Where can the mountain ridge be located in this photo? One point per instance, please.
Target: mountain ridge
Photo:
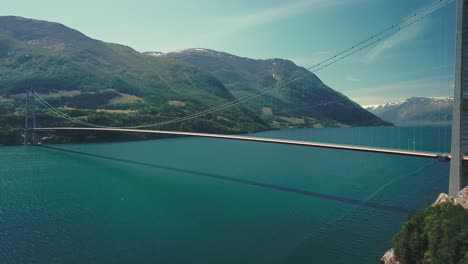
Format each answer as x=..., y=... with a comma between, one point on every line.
x=415, y=110
x=113, y=84
x=307, y=100
x=81, y=75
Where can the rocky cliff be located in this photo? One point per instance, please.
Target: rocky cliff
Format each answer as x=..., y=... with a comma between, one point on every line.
x=460, y=199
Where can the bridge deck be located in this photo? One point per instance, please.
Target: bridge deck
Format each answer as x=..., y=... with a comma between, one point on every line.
x=440, y=156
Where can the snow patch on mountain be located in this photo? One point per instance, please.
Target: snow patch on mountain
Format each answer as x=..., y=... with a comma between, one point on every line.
x=155, y=53
x=378, y=106
x=415, y=109
x=441, y=99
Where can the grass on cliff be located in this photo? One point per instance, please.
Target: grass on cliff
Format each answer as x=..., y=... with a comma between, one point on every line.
x=436, y=235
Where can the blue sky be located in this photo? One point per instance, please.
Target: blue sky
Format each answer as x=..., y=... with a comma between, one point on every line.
x=418, y=61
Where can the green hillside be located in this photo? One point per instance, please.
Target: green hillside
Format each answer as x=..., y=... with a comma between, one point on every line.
x=73, y=71
x=438, y=234
x=303, y=101
x=114, y=85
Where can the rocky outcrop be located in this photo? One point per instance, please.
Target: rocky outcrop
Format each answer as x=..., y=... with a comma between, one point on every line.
x=389, y=258
x=461, y=199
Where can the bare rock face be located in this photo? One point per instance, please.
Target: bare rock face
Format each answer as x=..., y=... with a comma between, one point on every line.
x=442, y=198
x=461, y=198
x=389, y=258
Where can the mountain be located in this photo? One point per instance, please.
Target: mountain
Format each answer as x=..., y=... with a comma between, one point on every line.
x=416, y=110
x=300, y=97
x=114, y=85
x=75, y=71
x=51, y=56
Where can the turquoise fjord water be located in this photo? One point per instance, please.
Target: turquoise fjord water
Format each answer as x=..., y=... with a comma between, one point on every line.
x=200, y=200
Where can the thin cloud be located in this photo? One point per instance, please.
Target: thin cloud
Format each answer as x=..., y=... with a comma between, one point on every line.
x=443, y=81
x=351, y=78
x=400, y=38
x=312, y=59
x=280, y=12
x=432, y=86
x=229, y=25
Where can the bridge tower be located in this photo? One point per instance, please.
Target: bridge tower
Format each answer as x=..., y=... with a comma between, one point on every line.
x=26, y=120
x=459, y=168
x=30, y=113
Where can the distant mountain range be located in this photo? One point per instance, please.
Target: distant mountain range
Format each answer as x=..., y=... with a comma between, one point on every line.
x=119, y=86
x=421, y=110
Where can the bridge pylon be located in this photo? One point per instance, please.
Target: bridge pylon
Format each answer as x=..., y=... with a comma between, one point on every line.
x=29, y=119
x=458, y=167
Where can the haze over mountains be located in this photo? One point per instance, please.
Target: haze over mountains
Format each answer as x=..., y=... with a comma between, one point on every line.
x=423, y=110
x=75, y=71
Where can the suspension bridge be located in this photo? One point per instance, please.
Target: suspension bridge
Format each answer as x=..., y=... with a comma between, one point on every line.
x=459, y=151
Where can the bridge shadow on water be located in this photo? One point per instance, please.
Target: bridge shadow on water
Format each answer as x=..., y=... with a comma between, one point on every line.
x=360, y=203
